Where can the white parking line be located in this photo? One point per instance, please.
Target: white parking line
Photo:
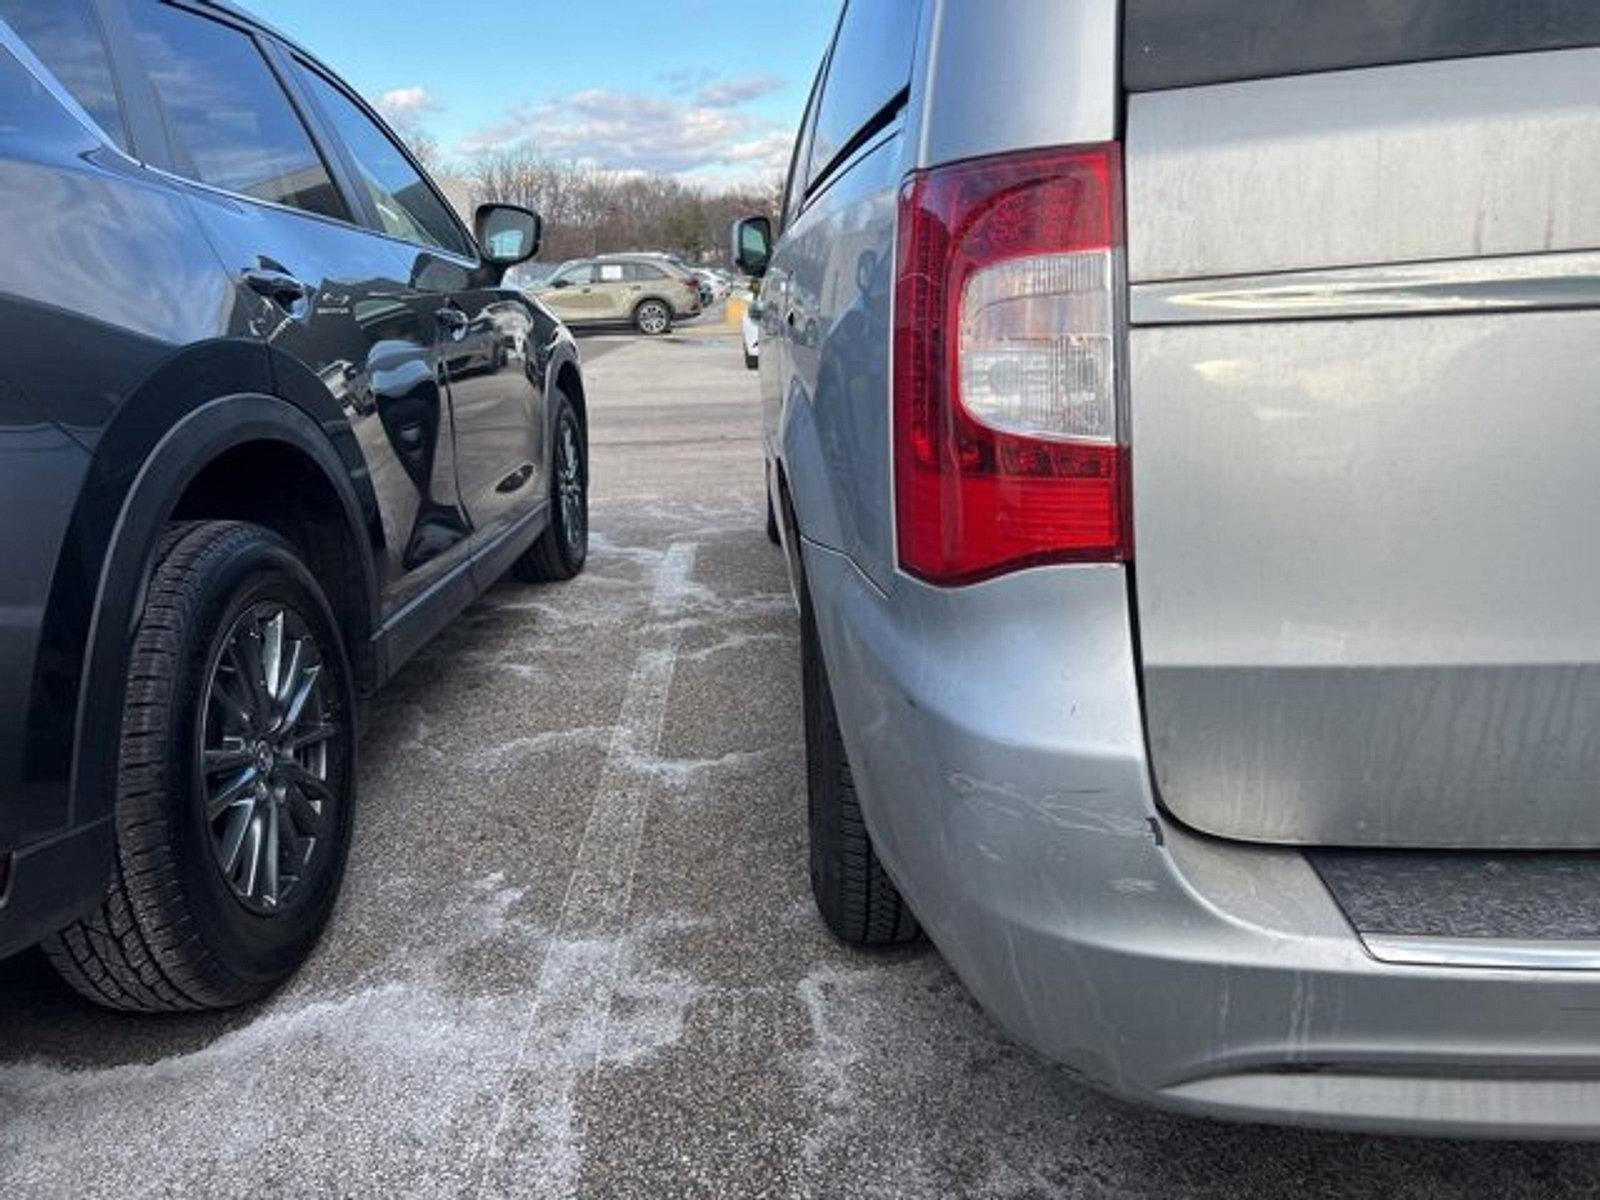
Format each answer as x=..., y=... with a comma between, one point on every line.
x=564, y=1036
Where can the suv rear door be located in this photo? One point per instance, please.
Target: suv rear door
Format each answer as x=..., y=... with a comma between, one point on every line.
x=355, y=311
x=646, y=279
x=1365, y=305
x=611, y=288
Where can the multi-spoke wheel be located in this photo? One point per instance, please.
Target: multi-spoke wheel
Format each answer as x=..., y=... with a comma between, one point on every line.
x=264, y=755
x=652, y=317
x=563, y=547
x=572, y=487
x=235, y=782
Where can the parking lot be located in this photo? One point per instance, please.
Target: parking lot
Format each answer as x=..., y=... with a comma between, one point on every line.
x=576, y=952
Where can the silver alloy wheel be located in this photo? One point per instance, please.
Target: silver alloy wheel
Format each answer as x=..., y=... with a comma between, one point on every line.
x=266, y=730
x=653, y=317
x=570, y=485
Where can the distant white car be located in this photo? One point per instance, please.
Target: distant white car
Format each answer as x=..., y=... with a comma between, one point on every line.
x=713, y=285
x=752, y=334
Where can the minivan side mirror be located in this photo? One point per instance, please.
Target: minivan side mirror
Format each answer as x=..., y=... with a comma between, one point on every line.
x=507, y=234
x=752, y=245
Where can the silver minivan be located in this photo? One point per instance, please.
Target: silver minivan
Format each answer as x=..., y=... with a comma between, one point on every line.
x=1182, y=419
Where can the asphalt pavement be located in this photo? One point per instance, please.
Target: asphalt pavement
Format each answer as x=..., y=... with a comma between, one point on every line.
x=576, y=954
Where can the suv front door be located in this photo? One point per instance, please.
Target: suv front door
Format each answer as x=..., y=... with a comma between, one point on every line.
x=572, y=295
x=496, y=389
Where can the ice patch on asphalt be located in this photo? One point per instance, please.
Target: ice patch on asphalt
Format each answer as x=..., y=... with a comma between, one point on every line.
x=398, y=1071
x=904, y=1067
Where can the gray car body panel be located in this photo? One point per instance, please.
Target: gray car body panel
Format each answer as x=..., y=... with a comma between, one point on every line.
x=1464, y=158
x=1365, y=591
x=833, y=298
x=1366, y=575
x=1012, y=806
x=996, y=731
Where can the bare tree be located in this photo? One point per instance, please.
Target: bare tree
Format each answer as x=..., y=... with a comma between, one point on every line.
x=588, y=210
x=423, y=145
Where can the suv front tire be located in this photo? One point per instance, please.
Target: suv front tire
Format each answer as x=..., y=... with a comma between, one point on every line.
x=563, y=547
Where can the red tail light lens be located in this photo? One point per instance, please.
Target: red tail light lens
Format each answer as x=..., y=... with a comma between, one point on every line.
x=1006, y=378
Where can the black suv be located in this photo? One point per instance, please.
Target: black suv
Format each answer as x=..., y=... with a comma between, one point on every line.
x=268, y=421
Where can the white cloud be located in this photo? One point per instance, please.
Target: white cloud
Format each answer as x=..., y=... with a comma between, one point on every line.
x=410, y=100
x=730, y=93
x=629, y=131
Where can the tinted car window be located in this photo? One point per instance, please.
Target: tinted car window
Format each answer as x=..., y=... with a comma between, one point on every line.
x=870, y=68
x=407, y=206
x=582, y=273
x=229, y=120
x=1181, y=43
x=66, y=37
x=527, y=275
x=640, y=272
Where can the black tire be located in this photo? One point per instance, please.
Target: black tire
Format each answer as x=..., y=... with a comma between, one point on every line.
x=172, y=932
x=772, y=523
x=563, y=547
x=653, y=318
x=858, y=901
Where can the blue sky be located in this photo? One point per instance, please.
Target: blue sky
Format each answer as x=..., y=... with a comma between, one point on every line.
x=709, y=90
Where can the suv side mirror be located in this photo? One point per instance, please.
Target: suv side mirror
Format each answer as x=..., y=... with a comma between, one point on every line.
x=562, y=282
x=752, y=245
x=507, y=235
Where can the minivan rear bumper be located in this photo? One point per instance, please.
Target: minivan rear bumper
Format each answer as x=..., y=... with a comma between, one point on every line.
x=997, y=743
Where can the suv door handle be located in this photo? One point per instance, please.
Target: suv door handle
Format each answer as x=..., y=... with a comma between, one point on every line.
x=282, y=288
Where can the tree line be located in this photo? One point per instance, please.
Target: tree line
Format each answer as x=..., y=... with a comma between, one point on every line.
x=590, y=210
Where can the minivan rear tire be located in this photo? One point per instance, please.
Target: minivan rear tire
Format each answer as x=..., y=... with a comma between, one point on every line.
x=858, y=901
x=177, y=930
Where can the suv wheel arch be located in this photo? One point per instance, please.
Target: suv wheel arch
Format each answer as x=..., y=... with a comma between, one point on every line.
x=189, y=448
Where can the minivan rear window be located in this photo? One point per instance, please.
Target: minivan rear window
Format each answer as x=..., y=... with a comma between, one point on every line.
x=1183, y=43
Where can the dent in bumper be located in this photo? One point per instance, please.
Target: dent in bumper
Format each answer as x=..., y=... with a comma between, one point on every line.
x=997, y=745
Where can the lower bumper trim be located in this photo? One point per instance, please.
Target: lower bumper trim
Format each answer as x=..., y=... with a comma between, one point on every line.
x=1507, y=953
x=1440, y=1107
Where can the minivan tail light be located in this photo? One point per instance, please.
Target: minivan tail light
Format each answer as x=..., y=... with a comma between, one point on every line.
x=1006, y=373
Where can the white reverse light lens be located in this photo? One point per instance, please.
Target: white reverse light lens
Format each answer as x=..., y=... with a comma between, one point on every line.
x=1037, y=347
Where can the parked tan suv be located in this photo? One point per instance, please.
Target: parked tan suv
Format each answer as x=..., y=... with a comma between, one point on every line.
x=647, y=293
